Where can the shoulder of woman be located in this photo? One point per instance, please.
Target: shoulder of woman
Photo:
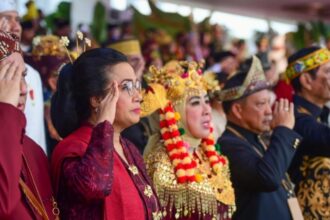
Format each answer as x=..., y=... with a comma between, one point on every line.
x=157, y=155
x=72, y=145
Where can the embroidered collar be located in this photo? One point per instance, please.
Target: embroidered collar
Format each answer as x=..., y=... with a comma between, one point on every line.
x=249, y=135
x=252, y=138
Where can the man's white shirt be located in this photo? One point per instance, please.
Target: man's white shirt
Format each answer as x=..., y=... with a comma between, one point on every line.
x=34, y=108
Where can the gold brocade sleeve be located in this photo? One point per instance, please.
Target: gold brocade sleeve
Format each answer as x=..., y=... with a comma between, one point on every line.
x=220, y=182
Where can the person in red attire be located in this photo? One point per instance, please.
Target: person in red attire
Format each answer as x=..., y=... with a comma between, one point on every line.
x=284, y=90
x=25, y=186
x=97, y=173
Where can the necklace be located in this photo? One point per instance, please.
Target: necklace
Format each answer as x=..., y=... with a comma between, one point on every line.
x=147, y=192
x=184, y=164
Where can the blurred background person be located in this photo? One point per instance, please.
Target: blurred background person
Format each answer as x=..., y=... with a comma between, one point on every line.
x=34, y=111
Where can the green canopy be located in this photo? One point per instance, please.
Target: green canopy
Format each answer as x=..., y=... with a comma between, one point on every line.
x=172, y=23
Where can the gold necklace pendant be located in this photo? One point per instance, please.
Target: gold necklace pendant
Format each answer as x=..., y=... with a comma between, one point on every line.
x=157, y=215
x=133, y=169
x=148, y=191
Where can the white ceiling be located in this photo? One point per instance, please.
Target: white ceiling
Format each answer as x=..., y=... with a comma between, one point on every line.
x=294, y=10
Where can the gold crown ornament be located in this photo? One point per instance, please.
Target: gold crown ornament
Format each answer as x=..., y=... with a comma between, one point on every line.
x=175, y=81
x=47, y=45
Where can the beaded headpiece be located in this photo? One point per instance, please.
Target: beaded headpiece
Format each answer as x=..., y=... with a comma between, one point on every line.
x=306, y=63
x=47, y=45
x=175, y=81
x=254, y=81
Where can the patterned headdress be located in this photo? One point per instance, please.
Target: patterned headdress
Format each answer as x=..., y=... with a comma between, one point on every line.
x=9, y=43
x=254, y=81
x=306, y=63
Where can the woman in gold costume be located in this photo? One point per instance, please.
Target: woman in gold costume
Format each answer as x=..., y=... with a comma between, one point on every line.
x=190, y=176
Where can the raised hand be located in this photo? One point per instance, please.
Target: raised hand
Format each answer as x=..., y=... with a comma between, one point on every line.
x=283, y=114
x=10, y=79
x=107, y=109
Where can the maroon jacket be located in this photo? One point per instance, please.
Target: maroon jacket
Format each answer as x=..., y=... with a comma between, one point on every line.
x=92, y=182
x=13, y=144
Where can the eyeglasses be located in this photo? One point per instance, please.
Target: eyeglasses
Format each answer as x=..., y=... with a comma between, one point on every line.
x=129, y=86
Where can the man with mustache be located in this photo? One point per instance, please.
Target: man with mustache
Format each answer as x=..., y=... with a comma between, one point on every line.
x=309, y=74
x=258, y=171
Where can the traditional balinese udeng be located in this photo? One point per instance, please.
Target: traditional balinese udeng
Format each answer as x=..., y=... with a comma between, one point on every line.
x=191, y=177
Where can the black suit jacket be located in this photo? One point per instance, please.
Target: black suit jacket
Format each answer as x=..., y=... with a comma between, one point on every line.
x=315, y=133
x=257, y=179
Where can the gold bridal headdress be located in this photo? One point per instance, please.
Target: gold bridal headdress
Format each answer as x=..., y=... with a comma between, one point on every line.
x=174, y=82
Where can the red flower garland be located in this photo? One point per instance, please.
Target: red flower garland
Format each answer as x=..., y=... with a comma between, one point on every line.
x=184, y=165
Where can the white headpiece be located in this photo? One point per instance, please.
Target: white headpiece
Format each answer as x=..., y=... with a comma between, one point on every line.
x=7, y=5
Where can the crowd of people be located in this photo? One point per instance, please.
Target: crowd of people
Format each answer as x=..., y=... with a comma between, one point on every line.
x=189, y=127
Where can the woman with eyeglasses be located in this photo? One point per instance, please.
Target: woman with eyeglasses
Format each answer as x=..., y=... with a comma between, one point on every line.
x=97, y=173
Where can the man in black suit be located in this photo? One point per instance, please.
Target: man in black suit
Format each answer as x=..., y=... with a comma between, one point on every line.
x=258, y=172
x=309, y=74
